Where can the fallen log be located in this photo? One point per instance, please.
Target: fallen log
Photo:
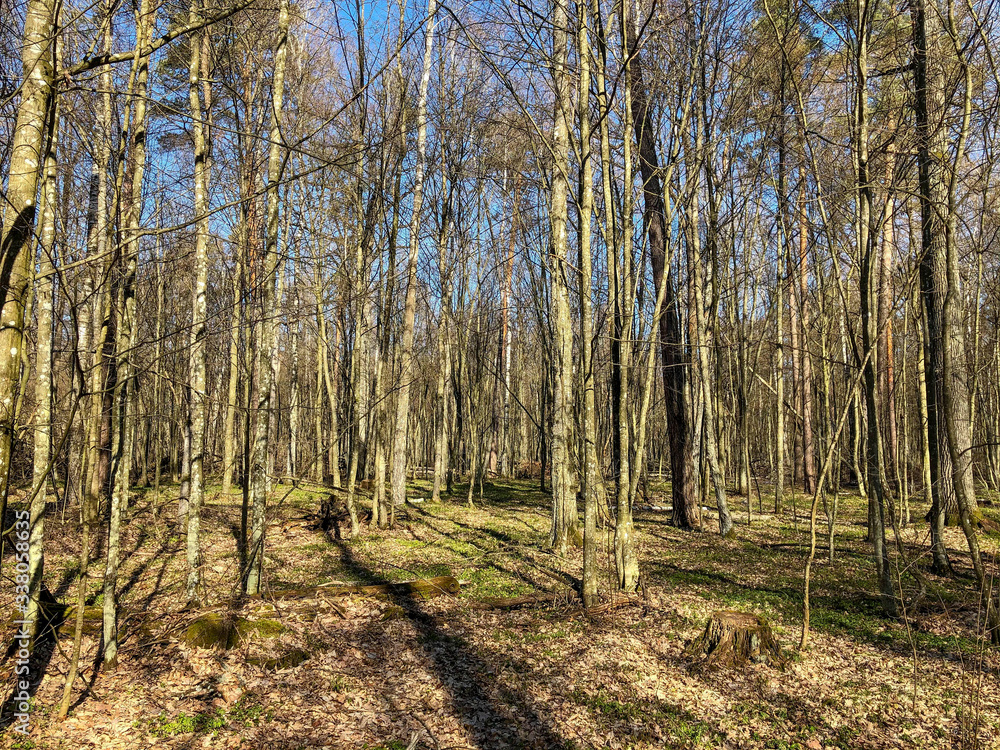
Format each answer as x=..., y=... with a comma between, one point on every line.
x=529, y=600
x=420, y=588
x=567, y=597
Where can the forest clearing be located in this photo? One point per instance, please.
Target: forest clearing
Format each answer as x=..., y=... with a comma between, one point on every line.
x=468, y=671
x=436, y=375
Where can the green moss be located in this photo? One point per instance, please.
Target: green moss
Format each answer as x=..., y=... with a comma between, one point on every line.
x=492, y=582
x=286, y=661
x=244, y=713
x=215, y=630
x=393, y=612
x=210, y=631
x=93, y=622
x=411, y=543
x=246, y=629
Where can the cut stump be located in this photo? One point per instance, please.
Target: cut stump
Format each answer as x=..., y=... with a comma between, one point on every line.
x=731, y=639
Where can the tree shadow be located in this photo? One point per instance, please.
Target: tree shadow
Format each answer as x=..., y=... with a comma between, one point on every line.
x=492, y=716
x=508, y=543
x=52, y=617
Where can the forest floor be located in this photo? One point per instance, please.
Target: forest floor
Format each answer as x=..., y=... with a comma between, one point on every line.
x=308, y=670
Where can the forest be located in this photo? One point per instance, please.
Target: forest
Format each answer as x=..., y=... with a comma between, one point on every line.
x=480, y=374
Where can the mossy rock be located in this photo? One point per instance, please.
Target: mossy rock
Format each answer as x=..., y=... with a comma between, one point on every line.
x=215, y=630
x=246, y=629
x=393, y=612
x=286, y=661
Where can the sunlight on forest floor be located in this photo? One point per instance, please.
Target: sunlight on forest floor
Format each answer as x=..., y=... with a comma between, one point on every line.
x=309, y=670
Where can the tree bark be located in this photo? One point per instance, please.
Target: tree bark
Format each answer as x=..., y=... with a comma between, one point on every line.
x=199, y=78
x=265, y=370
x=27, y=149
x=564, y=511
x=675, y=360
x=127, y=333
x=399, y=440
x=45, y=298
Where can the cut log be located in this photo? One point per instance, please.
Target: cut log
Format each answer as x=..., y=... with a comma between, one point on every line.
x=731, y=639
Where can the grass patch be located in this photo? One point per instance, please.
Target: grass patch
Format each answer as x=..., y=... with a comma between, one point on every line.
x=245, y=713
x=491, y=582
x=650, y=720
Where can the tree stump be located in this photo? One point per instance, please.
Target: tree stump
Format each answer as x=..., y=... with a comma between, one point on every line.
x=731, y=639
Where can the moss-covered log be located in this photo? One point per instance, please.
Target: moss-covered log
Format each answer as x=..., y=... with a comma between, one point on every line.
x=421, y=588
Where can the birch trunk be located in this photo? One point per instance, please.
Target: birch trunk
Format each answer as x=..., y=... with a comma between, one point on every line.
x=199, y=80
x=44, y=296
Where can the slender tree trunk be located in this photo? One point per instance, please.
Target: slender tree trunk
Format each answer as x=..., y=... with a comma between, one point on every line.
x=399, y=444
x=381, y=512
x=332, y=381
x=45, y=297
x=293, y=387
x=886, y=355
x=866, y=241
x=26, y=154
x=675, y=361
x=441, y=457
x=158, y=411
x=229, y=429
x=702, y=343
x=265, y=370
x=564, y=511
x=939, y=550
x=590, y=476
x=779, y=391
x=126, y=335
x=199, y=78
x=806, y=384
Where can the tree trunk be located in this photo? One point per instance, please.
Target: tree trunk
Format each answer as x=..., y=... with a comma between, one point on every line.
x=44, y=295
x=866, y=241
x=399, y=444
x=127, y=334
x=675, y=361
x=590, y=476
x=199, y=77
x=27, y=150
x=564, y=511
x=265, y=370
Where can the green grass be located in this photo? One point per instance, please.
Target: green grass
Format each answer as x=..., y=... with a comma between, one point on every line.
x=243, y=714
x=649, y=719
